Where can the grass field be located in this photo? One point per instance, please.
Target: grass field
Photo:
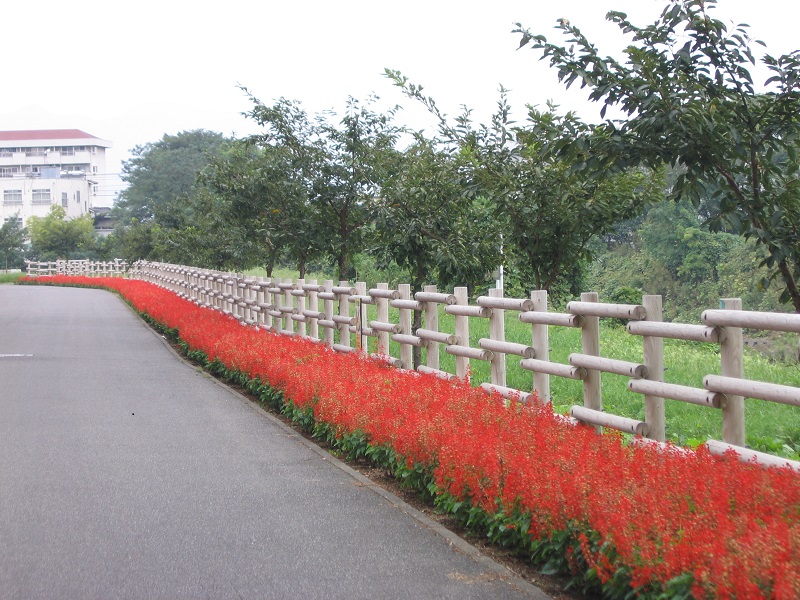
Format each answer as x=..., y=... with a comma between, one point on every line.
x=770, y=426
x=10, y=277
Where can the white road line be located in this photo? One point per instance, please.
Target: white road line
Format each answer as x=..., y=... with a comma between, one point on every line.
x=14, y=355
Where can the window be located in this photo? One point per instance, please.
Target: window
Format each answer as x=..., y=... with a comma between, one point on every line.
x=12, y=196
x=8, y=171
x=94, y=168
x=17, y=219
x=36, y=151
x=41, y=196
x=78, y=197
x=64, y=199
x=67, y=151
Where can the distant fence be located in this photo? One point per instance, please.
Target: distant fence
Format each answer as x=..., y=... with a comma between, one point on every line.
x=114, y=268
x=335, y=315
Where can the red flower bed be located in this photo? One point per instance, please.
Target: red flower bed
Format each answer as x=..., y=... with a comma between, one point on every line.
x=656, y=516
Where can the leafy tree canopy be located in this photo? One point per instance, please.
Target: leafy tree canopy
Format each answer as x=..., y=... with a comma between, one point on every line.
x=56, y=237
x=162, y=174
x=546, y=214
x=12, y=241
x=689, y=101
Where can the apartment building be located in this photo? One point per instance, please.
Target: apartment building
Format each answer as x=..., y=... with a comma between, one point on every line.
x=40, y=168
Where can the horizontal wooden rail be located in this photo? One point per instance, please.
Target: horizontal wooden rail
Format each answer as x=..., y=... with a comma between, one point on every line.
x=677, y=392
x=678, y=331
x=507, y=348
x=505, y=303
x=507, y=392
x=753, y=320
x=608, y=365
x=601, y=419
x=436, y=372
x=774, y=392
x=388, y=294
x=439, y=337
x=387, y=327
x=435, y=297
x=468, y=352
x=411, y=340
x=460, y=310
x=747, y=455
x=548, y=318
x=611, y=311
x=551, y=368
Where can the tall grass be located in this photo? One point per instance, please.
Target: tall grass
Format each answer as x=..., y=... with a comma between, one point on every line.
x=10, y=277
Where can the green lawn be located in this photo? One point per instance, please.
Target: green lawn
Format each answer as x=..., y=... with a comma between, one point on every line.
x=10, y=277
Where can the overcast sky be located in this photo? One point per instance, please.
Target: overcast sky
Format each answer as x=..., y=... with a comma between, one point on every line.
x=131, y=72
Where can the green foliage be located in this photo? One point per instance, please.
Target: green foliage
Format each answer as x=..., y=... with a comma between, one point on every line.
x=690, y=101
x=12, y=243
x=545, y=213
x=673, y=253
x=428, y=225
x=335, y=171
x=162, y=174
x=56, y=237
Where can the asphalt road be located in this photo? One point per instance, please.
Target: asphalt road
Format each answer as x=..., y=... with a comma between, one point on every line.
x=127, y=473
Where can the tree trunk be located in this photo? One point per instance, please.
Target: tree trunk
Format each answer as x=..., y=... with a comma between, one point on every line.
x=342, y=265
x=791, y=284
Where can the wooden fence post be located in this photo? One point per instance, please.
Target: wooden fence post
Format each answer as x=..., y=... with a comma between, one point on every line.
x=406, y=350
x=362, y=341
x=497, y=332
x=269, y=299
x=313, y=306
x=590, y=344
x=328, y=310
x=431, y=323
x=541, y=345
x=654, y=361
x=731, y=358
x=301, y=307
x=344, y=311
x=462, y=332
x=288, y=304
x=383, y=317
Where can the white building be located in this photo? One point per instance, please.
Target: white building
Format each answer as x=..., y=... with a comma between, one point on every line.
x=39, y=168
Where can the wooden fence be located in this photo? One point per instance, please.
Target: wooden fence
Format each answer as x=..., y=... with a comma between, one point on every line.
x=336, y=316
x=114, y=268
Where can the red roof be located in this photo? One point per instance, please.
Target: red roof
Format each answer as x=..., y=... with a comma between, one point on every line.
x=44, y=134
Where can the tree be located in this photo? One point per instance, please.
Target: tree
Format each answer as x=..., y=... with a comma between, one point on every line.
x=341, y=165
x=427, y=224
x=56, y=237
x=12, y=240
x=689, y=99
x=162, y=174
x=546, y=214
x=265, y=182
